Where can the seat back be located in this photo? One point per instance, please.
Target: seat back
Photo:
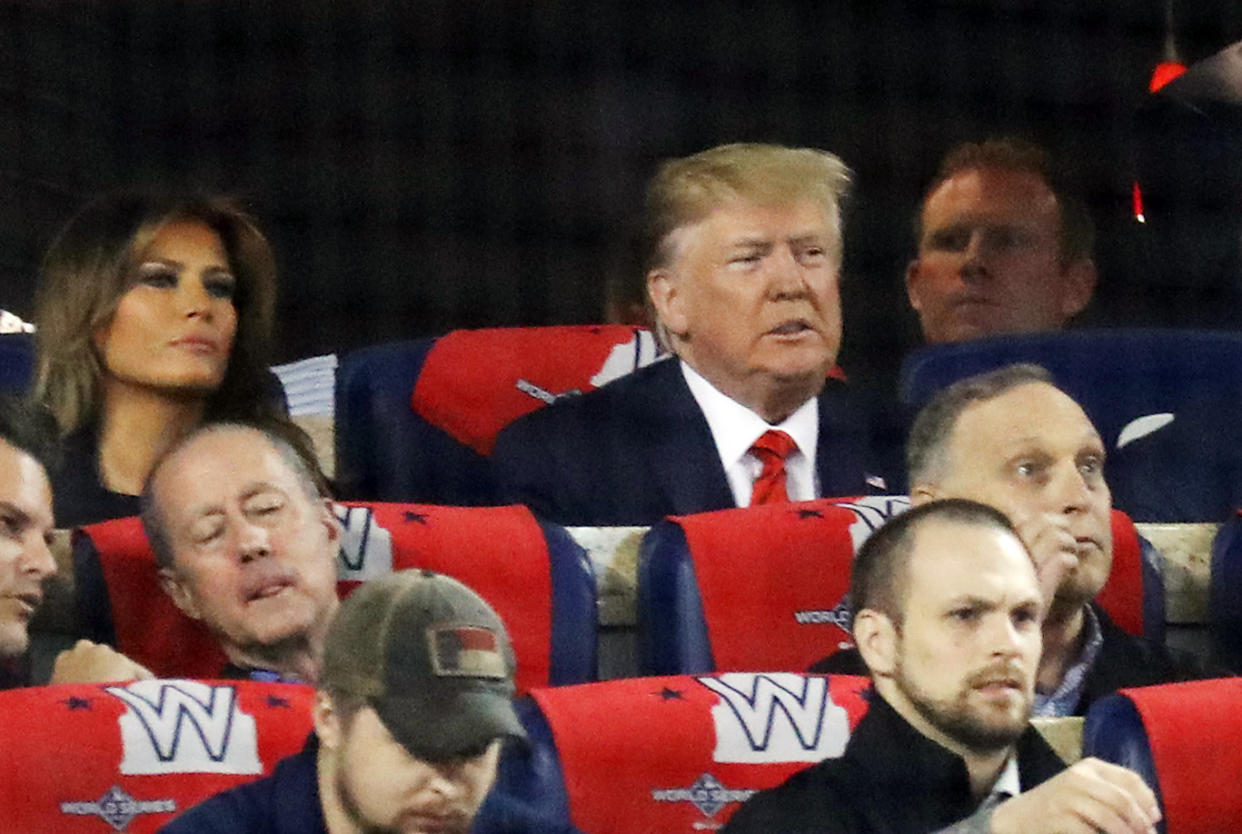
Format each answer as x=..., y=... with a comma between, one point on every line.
x=765, y=587
x=675, y=753
x=1185, y=740
x=752, y=588
x=416, y=421
x=535, y=576
x=17, y=360
x=1168, y=404
x=93, y=758
x=1225, y=593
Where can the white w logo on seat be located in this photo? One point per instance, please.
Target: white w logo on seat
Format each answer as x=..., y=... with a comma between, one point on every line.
x=777, y=717
x=177, y=726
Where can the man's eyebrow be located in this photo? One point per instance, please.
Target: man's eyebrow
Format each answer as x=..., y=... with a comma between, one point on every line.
x=970, y=600
x=750, y=240
x=11, y=510
x=259, y=487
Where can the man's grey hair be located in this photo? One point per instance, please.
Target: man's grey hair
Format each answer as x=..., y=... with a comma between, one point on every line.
x=927, y=448
x=307, y=473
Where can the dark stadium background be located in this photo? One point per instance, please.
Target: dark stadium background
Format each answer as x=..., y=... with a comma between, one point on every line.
x=435, y=164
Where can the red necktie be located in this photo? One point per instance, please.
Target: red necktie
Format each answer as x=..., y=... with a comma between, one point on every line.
x=771, y=448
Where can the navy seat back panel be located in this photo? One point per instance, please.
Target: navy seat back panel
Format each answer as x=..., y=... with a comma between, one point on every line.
x=384, y=450
x=575, y=609
x=1168, y=404
x=17, y=362
x=672, y=630
x=1113, y=731
x=1225, y=594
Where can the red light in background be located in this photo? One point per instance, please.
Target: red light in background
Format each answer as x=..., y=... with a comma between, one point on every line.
x=1165, y=72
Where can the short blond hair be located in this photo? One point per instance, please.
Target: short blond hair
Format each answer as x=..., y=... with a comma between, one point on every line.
x=686, y=190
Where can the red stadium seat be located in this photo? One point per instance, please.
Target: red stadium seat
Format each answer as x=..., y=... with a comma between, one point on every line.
x=1185, y=740
x=415, y=421
x=765, y=587
x=128, y=757
x=532, y=573
x=674, y=753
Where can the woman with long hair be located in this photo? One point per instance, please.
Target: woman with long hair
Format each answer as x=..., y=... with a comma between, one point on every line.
x=154, y=313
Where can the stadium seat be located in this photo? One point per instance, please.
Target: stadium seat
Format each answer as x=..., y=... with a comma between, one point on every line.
x=752, y=588
x=16, y=362
x=416, y=421
x=765, y=587
x=1185, y=740
x=1225, y=594
x=675, y=753
x=1168, y=404
x=129, y=757
x=536, y=577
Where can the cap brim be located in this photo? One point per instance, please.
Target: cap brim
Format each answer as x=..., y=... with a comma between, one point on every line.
x=434, y=730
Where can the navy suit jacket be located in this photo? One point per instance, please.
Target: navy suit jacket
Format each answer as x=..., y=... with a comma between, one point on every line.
x=639, y=448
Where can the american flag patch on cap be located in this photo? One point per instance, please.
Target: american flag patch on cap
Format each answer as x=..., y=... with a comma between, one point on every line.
x=466, y=652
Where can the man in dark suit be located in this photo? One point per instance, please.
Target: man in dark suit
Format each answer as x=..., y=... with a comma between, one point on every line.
x=743, y=265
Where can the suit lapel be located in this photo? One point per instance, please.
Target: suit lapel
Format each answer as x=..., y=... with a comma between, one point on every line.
x=683, y=458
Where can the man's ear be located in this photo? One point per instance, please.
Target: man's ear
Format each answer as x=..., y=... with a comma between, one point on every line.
x=327, y=516
x=876, y=638
x=664, y=290
x=327, y=721
x=181, y=595
x=923, y=492
x=1077, y=287
x=912, y=285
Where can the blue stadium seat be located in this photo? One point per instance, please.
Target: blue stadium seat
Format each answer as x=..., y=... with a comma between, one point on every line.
x=1168, y=404
x=416, y=421
x=1225, y=594
x=384, y=450
x=1185, y=740
x=17, y=359
x=752, y=588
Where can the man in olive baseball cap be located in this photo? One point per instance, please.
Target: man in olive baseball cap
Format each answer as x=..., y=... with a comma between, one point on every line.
x=413, y=703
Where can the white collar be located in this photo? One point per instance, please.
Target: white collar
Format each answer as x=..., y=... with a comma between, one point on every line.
x=735, y=428
x=1009, y=782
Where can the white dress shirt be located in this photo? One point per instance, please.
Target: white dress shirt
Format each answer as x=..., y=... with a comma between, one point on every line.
x=735, y=428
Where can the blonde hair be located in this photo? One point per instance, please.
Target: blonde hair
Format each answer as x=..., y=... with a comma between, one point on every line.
x=684, y=191
x=92, y=263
